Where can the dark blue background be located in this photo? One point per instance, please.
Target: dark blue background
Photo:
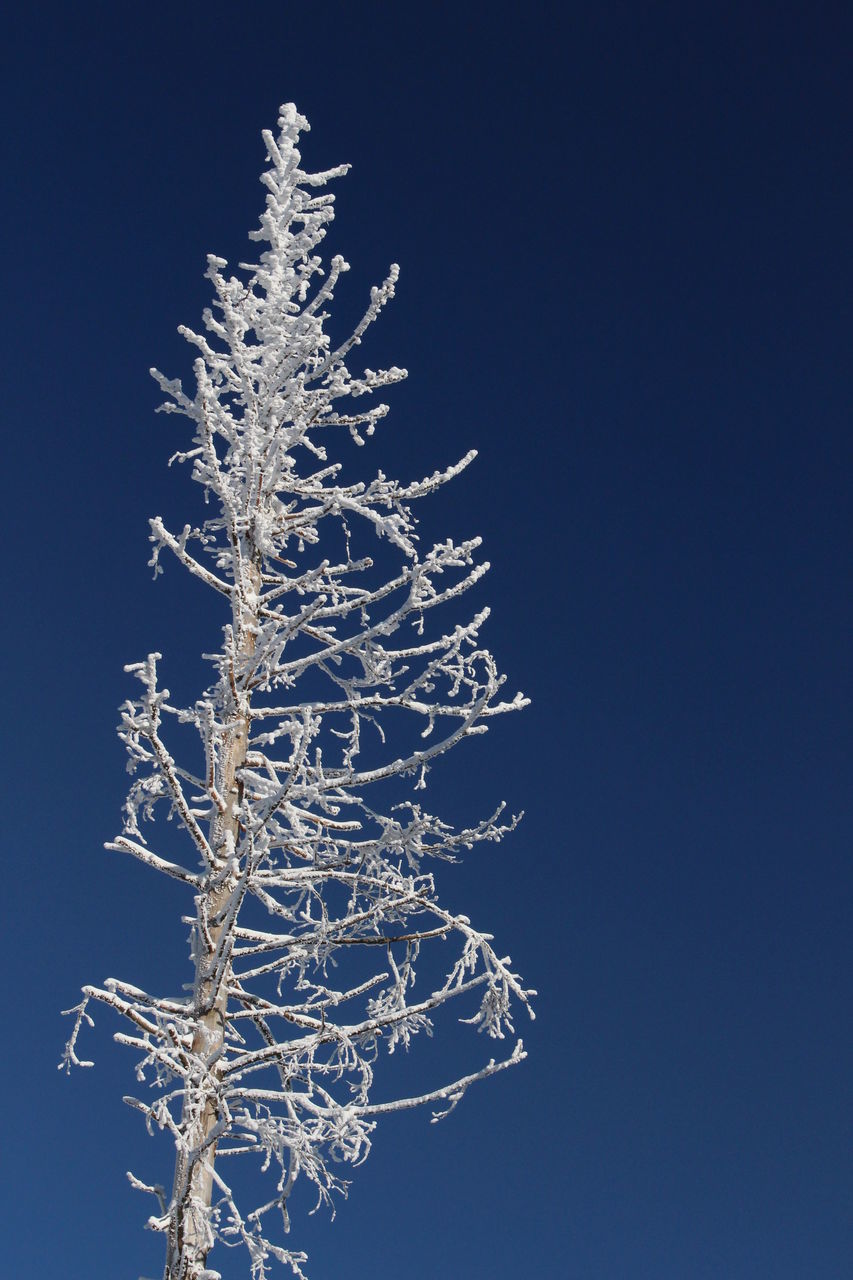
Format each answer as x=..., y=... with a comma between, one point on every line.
x=625, y=239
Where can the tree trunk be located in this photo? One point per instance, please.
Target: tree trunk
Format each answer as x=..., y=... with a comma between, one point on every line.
x=190, y=1238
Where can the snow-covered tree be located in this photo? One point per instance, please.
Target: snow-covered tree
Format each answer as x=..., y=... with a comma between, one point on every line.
x=300, y=851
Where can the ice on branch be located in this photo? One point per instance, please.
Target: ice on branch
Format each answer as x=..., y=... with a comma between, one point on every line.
x=340, y=681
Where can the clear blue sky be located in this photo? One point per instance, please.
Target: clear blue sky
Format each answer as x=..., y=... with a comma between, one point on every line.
x=627, y=279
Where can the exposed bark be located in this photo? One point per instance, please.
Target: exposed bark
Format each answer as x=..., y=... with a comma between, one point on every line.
x=190, y=1238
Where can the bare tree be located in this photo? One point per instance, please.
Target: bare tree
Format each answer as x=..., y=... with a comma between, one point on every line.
x=299, y=849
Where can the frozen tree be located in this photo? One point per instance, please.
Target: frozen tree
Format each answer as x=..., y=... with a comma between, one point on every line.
x=306, y=842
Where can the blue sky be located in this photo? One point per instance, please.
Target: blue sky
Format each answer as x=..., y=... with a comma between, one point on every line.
x=624, y=235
